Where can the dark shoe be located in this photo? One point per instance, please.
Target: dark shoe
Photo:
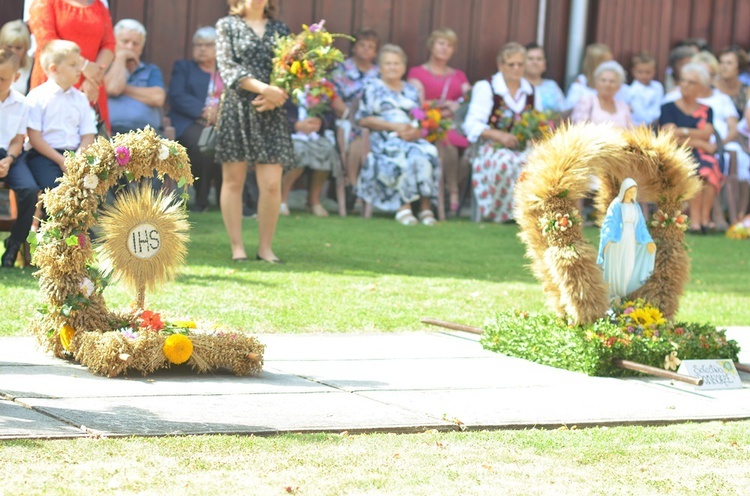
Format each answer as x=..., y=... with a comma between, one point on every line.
x=240, y=259
x=274, y=261
x=11, y=253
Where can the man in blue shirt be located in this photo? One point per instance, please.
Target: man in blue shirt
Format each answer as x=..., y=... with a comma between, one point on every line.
x=135, y=89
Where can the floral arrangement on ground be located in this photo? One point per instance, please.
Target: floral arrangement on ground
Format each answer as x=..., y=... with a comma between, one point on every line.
x=74, y=321
x=635, y=331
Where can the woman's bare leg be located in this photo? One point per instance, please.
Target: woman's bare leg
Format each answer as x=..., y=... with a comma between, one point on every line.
x=319, y=178
x=288, y=181
x=269, y=201
x=233, y=180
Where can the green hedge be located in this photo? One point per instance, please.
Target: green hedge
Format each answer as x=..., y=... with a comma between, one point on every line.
x=590, y=349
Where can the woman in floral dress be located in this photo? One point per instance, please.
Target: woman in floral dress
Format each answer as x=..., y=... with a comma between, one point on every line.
x=401, y=167
x=252, y=128
x=496, y=104
x=350, y=78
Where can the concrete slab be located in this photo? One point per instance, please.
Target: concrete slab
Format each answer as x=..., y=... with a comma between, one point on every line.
x=18, y=422
x=322, y=347
x=65, y=381
x=489, y=371
x=261, y=414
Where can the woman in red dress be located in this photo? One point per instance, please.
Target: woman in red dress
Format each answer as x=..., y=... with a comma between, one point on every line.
x=86, y=23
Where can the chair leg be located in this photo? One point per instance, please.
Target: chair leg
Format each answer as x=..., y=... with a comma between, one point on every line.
x=731, y=191
x=441, y=193
x=717, y=213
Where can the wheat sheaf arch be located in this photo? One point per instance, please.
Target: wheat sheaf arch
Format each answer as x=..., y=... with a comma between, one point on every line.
x=558, y=174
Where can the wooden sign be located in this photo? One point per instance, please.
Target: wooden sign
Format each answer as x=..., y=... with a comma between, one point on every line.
x=716, y=374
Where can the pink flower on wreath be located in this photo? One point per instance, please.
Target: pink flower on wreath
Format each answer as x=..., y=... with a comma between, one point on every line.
x=81, y=240
x=628, y=311
x=122, y=154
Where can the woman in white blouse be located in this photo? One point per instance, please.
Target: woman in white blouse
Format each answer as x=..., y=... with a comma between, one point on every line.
x=496, y=105
x=601, y=106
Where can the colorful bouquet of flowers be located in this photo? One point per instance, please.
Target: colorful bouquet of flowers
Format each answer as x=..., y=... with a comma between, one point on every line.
x=740, y=230
x=430, y=119
x=317, y=97
x=304, y=58
x=639, y=318
x=526, y=127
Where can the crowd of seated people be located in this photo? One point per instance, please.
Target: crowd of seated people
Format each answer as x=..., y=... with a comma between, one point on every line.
x=368, y=139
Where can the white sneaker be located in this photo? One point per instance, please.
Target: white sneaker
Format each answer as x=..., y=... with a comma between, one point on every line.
x=406, y=218
x=427, y=218
x=284, y=210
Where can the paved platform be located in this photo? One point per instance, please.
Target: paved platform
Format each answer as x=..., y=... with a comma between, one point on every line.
x=400, y=382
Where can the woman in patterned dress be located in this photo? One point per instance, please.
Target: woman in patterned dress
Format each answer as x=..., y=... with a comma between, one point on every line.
x=350, y=78
x=496, y=104
x=252, y=127
x=401, y=167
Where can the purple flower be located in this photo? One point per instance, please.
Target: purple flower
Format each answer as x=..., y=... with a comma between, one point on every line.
x=128, y=333
x=123, y=155
x=318, y=26
x=81, y=240
x=418, y=113
x=628, y=311
x=630, y=329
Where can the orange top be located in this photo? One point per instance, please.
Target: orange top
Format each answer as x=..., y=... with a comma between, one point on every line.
x=90, y=27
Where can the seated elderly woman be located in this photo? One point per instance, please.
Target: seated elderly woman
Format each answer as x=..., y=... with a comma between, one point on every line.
x=601, y=107
x=692, y=123
x=135, y=89
x=315, y=149
x=496, y=104
x=401, y=167
x=194, y=93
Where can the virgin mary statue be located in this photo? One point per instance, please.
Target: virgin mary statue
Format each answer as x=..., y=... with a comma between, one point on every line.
x=626, y=249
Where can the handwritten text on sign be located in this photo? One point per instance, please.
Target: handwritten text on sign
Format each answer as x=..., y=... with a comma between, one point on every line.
x=144, y=241
x=716, y=374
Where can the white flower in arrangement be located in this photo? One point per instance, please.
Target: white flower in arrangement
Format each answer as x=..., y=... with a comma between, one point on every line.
x=87, y=287
x=163, y=152
x=90, y=181
x=563, y=222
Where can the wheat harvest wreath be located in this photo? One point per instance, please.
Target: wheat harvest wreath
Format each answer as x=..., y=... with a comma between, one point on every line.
x=143, y=242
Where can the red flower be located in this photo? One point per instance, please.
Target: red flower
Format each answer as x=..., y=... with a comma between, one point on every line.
x=679, y=331
x=151, y=320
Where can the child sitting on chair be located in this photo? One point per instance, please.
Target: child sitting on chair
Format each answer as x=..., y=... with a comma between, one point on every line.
x=14, y=115
x=60, y=117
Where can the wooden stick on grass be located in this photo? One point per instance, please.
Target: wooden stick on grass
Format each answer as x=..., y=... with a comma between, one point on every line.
x=742, y=367
x=452, y=325
x=655, y=371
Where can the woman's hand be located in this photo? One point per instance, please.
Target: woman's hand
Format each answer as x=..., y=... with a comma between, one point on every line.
x=309, y=125
x=506, y=139
x=651, y=247
x=274, y=95
x=209, y=114
x=407, y=132
x=91, y=90
x=93, y=72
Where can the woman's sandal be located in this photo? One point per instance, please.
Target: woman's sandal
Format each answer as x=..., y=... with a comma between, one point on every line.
x=427, y=218
x=406, y=218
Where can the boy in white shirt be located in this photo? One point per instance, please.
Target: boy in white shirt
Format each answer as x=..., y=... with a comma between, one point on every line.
x=14, y=172
x=644, y=95
x=60, y=117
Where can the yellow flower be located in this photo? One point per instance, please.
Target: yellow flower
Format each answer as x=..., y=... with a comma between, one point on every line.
x=295, y=67
x=185, y=324
x=66, y=335
x=327, y=38
x=177, y=348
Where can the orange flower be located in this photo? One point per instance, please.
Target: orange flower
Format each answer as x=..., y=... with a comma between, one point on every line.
x=151, y=320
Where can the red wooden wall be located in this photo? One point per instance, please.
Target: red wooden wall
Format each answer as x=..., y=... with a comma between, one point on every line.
x=629, y=26
x=483, y=26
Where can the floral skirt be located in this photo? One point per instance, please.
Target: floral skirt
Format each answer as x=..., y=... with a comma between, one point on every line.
x=494, y=175
x=398, y=172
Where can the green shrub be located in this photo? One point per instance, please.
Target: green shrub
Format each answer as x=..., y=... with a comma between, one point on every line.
x=590, y=349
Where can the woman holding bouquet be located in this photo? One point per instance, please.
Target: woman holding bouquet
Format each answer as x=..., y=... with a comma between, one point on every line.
x=497, y=104
x=252, y=127
x=401, y=167
x=444, y=87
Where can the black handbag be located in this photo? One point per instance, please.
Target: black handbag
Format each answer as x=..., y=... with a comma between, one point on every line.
x=207, y=140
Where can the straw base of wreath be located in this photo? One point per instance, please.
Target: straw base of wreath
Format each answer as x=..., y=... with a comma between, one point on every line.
x=111, y=353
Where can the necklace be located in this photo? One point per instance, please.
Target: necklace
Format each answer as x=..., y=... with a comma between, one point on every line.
x=435, y=73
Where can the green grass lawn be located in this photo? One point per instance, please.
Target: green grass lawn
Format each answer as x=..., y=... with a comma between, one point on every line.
x=355, y=275
x=694, y=459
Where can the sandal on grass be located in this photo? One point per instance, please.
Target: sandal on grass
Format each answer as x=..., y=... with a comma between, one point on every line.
x=405, y=217
x=427, y=218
